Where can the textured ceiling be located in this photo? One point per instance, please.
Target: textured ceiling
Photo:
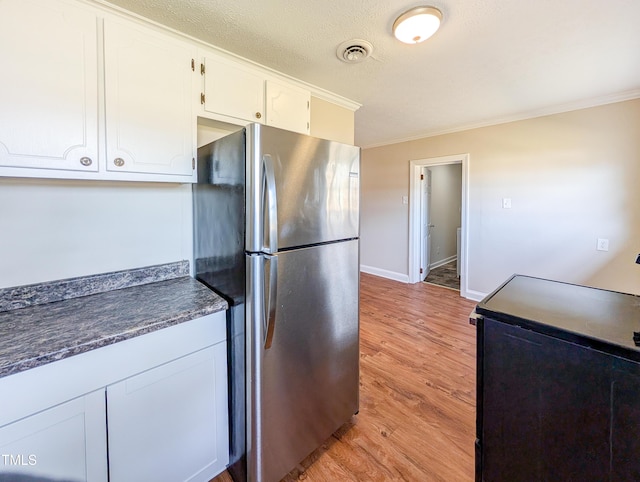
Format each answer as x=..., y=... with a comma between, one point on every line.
x=491, y=61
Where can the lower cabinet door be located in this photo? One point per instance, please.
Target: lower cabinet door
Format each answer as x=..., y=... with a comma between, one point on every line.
x=67, y=442
x=546, y=407
x=170, y=423
x=625, y=418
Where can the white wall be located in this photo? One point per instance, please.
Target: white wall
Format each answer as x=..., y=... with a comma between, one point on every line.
x=572, y=178
x=446, y=196
x=55, y=229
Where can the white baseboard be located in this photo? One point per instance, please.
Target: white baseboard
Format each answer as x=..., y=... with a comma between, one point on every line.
x=384, y=273
x=442, y=262
x=474, y=295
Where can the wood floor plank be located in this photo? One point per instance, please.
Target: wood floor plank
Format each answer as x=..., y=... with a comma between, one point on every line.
x=417, y=391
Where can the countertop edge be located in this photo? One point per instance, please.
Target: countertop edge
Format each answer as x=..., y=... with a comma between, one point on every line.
x=23, y=365
x=581, y=339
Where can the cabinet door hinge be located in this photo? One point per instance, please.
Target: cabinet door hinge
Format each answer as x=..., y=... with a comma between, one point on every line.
x=422, y=177
x=193, y=65
x=308, y=105
x=193, y=163
x=420, y=270
x=202, y=98
x=201, y=69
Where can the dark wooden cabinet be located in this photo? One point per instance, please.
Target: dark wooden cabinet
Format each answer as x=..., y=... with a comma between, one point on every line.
x=625, y=421
x=546, y=408
x=551, y=408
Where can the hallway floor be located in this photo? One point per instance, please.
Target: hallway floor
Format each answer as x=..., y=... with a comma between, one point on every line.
x=445, y=275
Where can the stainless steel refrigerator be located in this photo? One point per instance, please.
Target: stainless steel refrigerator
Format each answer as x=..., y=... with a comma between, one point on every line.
x=276, y=227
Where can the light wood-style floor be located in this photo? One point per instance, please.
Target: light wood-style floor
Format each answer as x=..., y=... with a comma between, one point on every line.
x=417, y=391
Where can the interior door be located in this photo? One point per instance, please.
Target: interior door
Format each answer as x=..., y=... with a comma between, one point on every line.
x=425, y=224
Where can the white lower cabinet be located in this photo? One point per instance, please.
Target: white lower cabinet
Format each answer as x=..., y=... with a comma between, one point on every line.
x=66, y=442
x=153, y=407
x=166, y=425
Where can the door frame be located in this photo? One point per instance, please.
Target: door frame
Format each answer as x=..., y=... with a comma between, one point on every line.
x=414, y=215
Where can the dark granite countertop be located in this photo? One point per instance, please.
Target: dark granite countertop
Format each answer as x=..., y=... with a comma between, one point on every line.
x=601, y=319
x=42, y=333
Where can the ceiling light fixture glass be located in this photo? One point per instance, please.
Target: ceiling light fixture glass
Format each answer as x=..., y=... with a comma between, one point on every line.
x=417, y=25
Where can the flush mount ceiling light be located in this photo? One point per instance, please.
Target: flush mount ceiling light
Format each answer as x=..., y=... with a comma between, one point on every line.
x=417, y=25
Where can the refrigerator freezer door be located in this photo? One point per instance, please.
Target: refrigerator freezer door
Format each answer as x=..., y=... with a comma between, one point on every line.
x=316, y=183
x=304, y=386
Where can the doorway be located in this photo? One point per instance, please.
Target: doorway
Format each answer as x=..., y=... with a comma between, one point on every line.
x=422, y=229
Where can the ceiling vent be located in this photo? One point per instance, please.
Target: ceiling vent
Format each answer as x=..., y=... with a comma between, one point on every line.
x=354, y=51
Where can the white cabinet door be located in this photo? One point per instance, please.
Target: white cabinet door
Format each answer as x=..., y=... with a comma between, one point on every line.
x=231, y=89
x=148, y=100
x=66, y=442
x=288, y=107
x=48, y=85
x=170, y=423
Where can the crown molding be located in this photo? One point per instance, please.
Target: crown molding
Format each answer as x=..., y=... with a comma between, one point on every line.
x=557, y=109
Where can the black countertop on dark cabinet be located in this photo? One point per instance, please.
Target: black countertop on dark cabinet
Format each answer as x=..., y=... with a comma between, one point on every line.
x=558, y=379
x=601, y=319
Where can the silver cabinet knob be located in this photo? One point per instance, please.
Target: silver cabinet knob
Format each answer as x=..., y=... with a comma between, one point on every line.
x=258, y=115
x=118, y=161
x=86, y=161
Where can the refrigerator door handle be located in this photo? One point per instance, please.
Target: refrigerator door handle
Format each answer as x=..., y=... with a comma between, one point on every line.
x=269, y=206
x=271, y=273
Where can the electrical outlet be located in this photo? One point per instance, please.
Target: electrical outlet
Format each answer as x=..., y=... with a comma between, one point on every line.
x=603, y=244
x=405, y=199
x=506, y=203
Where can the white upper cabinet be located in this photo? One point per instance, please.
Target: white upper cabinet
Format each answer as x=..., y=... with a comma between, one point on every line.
x=150, y=126
x=48, y=86
x=232, y=89
x=288, y=107
x=89, y=92
x=61, y=118
x=239, y=93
